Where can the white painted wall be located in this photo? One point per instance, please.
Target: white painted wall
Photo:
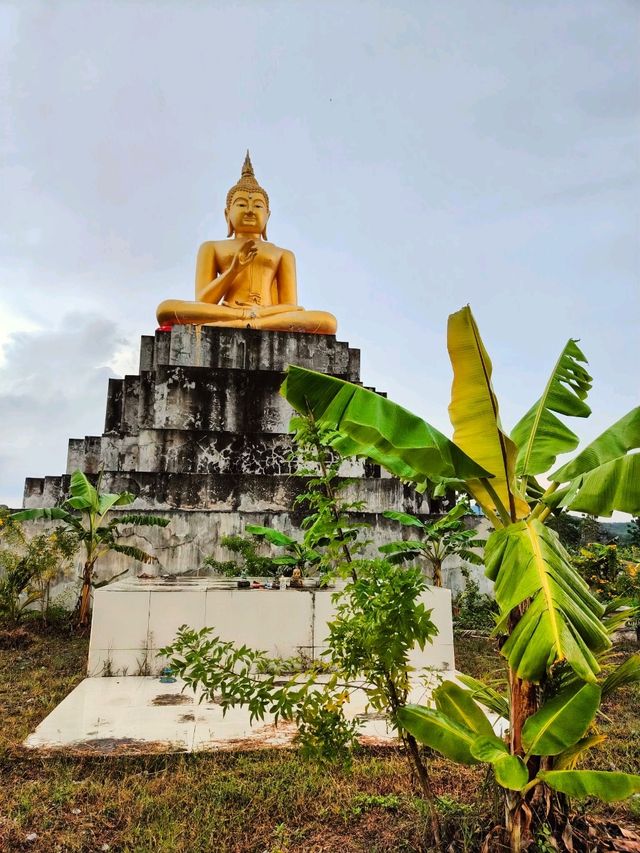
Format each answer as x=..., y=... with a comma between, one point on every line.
x=133, y=619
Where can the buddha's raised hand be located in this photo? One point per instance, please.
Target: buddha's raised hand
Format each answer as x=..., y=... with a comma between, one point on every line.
x=244, y=256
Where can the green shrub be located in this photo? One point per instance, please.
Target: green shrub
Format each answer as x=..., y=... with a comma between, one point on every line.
x=29, y=566
x=250, y=563
x=473, y=610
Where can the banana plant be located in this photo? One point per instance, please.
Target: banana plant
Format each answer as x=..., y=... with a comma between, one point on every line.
x=562, y=731
x=297, y=554
x=446, y=537
x=84, y=514
x=549, y=622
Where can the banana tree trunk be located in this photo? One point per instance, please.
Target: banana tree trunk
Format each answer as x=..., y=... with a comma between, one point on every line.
x=85, y=594
x=524, y=703
x=517, y=807
x=518, y=810
x=518, y=822
x=437, y=572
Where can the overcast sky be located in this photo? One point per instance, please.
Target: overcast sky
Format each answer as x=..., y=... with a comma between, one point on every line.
x=418, y=156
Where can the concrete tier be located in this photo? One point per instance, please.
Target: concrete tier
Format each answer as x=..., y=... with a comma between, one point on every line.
x=228, y=492
x=201, y=435
x=195, y=452
x=248, y=349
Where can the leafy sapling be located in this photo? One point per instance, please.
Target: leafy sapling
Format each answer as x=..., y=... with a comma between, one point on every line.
x=379, y=618
x=84, y=515
x=297, y=554
x=446, y=537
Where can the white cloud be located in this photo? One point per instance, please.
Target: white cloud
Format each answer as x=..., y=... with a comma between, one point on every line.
x=51, y=390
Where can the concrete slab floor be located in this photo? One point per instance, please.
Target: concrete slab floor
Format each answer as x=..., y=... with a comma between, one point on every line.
x=141, y=715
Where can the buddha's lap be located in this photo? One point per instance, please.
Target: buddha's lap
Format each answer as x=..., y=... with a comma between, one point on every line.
x=181, y=312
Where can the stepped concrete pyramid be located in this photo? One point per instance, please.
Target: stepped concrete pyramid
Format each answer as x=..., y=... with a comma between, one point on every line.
x=201, y=435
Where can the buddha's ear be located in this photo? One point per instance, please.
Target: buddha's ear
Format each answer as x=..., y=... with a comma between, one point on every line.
x=264, y=230
x=229, y=225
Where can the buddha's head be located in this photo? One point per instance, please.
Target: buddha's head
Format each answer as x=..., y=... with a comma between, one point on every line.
x=247, y=208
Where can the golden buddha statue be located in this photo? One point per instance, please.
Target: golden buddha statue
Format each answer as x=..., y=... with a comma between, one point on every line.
x=245, y=282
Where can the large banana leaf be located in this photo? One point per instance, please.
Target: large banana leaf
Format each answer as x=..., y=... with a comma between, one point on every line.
x=449, y=520
x=275, y=537
x=439, y=732
x=457, y=704
x=486, y=695
x=372, y=426
x=140, y=520
x=435, y=529
x=54, y=513
x=606, y=786
x=106, y=501
x=540, y=435
x=403, y=551
x=404, y=518
x=561, y=721
x=616, y=619
x=473, y=412
x=83, y=494
x=562, y=620
x=568, y=759
x=627, y=672
x=133, y=552
x=612, y=486
x=510, y=770
x=613, y=443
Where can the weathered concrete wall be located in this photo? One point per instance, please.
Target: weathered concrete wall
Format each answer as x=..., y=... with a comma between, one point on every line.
x=196, y=534
x=248, y=350
x=201, y=436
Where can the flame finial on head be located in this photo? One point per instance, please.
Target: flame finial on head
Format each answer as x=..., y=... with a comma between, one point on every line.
x=247, y=182
x=247, y=166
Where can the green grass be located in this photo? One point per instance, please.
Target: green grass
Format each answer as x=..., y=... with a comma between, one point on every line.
x=270, y=801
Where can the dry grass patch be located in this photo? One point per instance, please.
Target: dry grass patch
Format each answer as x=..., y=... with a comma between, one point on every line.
x=244, y=802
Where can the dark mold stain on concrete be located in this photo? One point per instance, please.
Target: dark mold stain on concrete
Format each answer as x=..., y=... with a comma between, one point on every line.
x=172, y=699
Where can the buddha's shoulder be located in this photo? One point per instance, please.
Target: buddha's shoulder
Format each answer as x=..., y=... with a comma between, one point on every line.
x=213, y=245
x=266, y=246
x=278, y=252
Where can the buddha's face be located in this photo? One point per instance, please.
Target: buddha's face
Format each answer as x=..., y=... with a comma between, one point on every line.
x=248, y=213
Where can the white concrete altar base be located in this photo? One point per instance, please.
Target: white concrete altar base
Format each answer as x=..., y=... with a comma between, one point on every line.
x=134, y=618
x=138, y=715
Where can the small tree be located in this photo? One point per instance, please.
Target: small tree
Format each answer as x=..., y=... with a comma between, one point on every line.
x=600, y=566
x=84, y=514
x=446, y=537
x=29, y=565
x=613, y=574
x=379, y=619
x=628, y=587
x=633, y=532
x=473, y=610
x=591, y=530
x=251, y=563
